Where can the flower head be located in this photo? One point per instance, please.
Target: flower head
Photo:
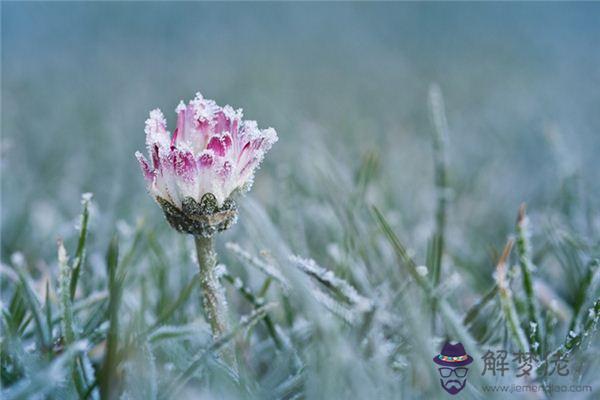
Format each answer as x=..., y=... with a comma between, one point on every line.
x=212, y=153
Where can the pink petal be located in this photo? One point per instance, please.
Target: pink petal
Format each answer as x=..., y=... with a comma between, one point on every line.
x=146, y=170
x=257, y=143
x=217, y=145
x=226, y=140
x=225, y=170
x=206, y=159
x=249, y=166
x=234, y=128
x=244, y=150
x=203, y=125
x=155, y=156
x=183, y=164
x=174, y=138
x=222, y=123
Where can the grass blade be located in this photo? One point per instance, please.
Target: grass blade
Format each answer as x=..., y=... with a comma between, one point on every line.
x=452, y=321
x=45, y=380
x=575, y=340
x=80, y=252
x=337, y=285
x=256, y=302
x=48, y=308
x=440, y=137
x=474, y=311
x=108, y=378
x=508, y=305
x=586, y=283
x=533, y=313
x=34, y=307
x=65, y=276
x=245, y=322
x=263, y=266
x=166, y=314
x=402, y=254
x=67, y=319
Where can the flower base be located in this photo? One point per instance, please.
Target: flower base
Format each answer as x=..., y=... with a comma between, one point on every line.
x=200, y=219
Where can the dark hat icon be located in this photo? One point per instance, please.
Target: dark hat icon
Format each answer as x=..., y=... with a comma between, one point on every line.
x=453, y=355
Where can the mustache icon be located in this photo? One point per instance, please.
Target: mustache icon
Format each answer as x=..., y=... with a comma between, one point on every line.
x=453, y=386
x=453, y=382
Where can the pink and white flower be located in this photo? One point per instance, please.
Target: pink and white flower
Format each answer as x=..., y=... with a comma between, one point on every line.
x=212, y=150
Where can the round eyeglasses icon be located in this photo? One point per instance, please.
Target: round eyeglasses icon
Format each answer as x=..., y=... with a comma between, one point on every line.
x=459, y=372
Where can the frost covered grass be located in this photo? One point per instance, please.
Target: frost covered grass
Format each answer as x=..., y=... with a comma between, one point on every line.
x=137, y=328
x=376, y=229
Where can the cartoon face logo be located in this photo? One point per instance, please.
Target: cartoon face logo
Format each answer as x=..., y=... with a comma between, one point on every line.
x=452, y=361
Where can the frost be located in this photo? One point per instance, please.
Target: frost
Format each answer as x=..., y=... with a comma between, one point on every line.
x=246, y=321
x=169, y=331
x=124, y=228
x=270, y=135
x=86, y=197
x=62, y=254
x=155, y=128
x=265, y=267
x=17, y=259
x=237, y=283
x=232, y=114
x=334, y=251
x=180, y=107
x=31, y=347
x=334, y=306
x=422, y=270
x=220, y=271
x=455, y=280
x=328, y=278
x=532, y=326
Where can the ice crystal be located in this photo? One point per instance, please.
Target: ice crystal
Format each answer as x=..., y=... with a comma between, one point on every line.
x=422, y=270
x=328, y=278
x=572, y=334
x=532, y=326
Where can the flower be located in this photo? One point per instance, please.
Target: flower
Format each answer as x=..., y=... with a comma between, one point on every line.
x=212, y=154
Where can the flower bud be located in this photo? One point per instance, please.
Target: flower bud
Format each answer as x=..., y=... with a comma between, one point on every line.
x=211, y=155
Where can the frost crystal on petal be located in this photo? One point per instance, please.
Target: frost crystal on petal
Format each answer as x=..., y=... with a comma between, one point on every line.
x=180, y=107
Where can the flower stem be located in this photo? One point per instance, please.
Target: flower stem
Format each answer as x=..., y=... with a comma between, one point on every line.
x=213, y=295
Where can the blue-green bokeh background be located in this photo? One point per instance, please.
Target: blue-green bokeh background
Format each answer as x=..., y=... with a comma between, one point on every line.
x=341, y=79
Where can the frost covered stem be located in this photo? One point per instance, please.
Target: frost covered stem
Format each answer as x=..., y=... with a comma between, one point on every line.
x=213, y=296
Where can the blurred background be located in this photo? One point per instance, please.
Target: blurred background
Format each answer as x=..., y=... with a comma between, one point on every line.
x=342, y=83
x=520, y=83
